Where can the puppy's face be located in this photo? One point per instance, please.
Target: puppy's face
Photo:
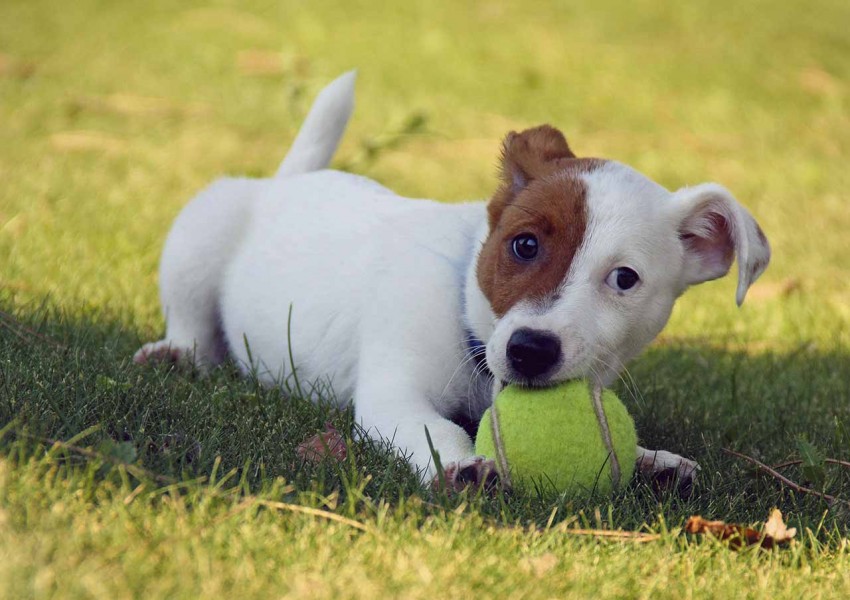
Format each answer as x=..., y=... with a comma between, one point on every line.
x=586, y=257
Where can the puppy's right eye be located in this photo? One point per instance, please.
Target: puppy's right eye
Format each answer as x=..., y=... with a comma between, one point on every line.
x=622, y=279
x=524, y=246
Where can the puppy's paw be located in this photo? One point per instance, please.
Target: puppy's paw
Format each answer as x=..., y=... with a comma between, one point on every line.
x=667, y=471
x=163, y=351
x=475, y=472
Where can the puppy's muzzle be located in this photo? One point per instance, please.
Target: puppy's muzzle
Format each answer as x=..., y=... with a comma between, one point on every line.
x=532, y=353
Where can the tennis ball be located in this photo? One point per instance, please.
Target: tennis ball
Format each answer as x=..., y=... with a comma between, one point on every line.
x=552, y=436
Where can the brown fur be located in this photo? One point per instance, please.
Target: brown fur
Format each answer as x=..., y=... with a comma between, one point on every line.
x=541, y=194
x=526, y=156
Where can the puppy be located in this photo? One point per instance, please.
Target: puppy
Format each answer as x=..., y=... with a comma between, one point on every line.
x=419, y=311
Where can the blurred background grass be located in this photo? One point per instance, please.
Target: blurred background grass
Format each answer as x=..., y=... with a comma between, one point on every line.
x=114, y=113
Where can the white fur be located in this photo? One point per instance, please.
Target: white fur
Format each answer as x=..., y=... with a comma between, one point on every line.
x=383, y=290
x=316, y=142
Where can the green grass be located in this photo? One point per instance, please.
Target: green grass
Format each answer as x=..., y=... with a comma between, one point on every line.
x=113, y=114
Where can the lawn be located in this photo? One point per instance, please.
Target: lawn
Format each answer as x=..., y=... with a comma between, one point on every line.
x=166, y=484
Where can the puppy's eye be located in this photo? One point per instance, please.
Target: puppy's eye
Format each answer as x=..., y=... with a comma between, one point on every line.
x=622, y=279
x=525, y=246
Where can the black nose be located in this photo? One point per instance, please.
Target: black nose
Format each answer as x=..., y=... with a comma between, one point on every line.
x=532, y=353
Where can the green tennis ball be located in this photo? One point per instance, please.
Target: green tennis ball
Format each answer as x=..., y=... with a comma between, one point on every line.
x=552, y=436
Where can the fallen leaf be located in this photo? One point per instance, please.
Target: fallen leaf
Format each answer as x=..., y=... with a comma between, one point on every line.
x=737, y=535
x=329, y=443
x=776, y=529
x=774, y=532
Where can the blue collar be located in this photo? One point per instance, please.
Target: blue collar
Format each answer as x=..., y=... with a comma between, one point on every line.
x=475, y=347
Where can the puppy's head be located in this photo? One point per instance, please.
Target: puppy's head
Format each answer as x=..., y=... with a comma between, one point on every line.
x=585, y=258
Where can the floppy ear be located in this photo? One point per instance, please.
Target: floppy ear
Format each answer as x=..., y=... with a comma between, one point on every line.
x=714, y=229
x=527, y=156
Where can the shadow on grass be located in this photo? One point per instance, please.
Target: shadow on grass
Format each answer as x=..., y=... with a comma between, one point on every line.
x=62, y=374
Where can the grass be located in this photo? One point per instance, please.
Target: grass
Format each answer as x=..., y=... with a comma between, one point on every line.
x=113, y=114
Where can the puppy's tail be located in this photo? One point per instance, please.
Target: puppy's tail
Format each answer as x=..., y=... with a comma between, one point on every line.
x=316, y=142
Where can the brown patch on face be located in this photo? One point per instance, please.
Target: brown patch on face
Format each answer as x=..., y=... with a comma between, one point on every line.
x=541, y=194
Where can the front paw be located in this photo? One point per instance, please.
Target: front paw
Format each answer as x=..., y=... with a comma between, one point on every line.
x=476, y=472
x=163, y=351
x=667, y=471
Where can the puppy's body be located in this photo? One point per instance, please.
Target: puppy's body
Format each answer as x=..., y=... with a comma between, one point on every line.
x=569, y=271
x=374, y=280
x=375, y=283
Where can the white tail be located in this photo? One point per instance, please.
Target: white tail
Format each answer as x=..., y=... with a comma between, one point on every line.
x=319, y=136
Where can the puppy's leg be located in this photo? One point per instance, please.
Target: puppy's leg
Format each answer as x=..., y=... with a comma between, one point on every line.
x=396, y=407
x=665, y=469
x=476, y=471
x=195, y=255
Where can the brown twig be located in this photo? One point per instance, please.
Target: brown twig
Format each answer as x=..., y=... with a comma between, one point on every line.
x=308, y=510
x=602, y=534
x=791, y=484
x=829, y=461
x=614, y=534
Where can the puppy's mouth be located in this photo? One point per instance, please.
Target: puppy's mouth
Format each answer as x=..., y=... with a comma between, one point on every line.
x=557, y=374
x=531, y=382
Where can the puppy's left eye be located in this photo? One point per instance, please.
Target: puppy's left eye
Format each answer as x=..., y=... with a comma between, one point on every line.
x=524, y=246
x=622, y=279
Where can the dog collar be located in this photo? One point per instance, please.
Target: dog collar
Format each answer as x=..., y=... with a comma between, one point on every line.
x=476, y=351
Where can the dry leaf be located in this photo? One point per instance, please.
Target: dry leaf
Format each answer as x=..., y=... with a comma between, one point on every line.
x=775, y=528
x=773, y=533
x=737, y=535
x=328, y=444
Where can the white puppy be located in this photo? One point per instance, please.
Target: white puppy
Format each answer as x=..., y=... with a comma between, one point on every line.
x=569, y=271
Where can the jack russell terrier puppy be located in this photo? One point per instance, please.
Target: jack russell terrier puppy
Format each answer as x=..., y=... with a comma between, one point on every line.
x=420, y=311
